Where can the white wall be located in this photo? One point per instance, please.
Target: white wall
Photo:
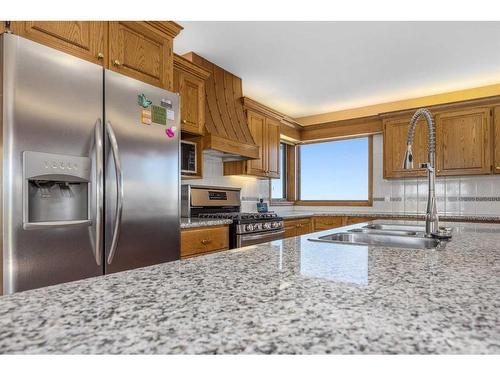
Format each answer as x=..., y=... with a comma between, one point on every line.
x=475, y=195
x=251, y=188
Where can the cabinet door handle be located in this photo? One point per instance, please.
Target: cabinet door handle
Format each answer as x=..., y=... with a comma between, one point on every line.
x=100, y=56
x=205, y=242
x=184, y=121
x=117, y=63
x=497, y=167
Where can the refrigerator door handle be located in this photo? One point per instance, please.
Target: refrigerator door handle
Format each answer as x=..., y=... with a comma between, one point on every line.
x=99, y=191
x=119, y=190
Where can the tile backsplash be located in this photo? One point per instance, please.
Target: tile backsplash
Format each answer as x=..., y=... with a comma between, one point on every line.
x=251, y=188
x=471, y=195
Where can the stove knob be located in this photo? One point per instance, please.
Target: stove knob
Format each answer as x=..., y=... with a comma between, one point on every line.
x=249, y=227
x=267, y=225
x=274, y=225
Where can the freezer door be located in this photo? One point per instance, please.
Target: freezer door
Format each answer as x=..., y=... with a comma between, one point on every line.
x=51, y=104
x=142, y=174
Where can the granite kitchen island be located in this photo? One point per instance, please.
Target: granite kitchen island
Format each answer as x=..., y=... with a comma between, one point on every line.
x=289, y=296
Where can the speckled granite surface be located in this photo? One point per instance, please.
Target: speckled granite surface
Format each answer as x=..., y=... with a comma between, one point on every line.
x=388, y=215
x=197, y=223
x=289, y=296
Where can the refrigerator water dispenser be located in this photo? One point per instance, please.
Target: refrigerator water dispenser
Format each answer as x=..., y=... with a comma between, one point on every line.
x=55, y=190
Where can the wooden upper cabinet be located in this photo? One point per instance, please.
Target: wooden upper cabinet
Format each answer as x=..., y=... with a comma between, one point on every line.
x=273, y=148
x=257, y=125
x=189, y=82
x=141, y=51
x=496, y=139
x=395, y=137
x=464, y=142
x=84, y=39
x=266, y=134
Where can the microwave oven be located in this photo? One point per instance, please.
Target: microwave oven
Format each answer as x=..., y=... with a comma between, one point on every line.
x=188, y=158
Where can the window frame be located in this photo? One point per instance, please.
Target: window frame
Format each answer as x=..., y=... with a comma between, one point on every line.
x=367, y=202
x=289, y=183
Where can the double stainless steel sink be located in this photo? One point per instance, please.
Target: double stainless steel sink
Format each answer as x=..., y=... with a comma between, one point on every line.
x=389, y=235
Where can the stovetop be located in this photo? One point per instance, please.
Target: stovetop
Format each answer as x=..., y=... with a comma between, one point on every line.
x=242, y=217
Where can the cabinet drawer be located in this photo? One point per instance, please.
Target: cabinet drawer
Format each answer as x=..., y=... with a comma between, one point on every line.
x=203, y=240
x=327, y=222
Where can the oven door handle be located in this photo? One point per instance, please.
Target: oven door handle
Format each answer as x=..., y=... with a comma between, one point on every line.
x=263, y=236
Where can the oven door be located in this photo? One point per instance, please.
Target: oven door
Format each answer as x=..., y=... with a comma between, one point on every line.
x=256, y=238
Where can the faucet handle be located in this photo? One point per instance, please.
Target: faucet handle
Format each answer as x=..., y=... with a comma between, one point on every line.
x=426, y=166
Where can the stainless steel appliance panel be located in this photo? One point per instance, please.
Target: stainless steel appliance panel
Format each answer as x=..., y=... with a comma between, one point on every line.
x=256, y=238
x=51, y=103
x=146, y=231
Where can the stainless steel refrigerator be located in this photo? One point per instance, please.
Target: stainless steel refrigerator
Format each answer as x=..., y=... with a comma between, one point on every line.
x=90, y=169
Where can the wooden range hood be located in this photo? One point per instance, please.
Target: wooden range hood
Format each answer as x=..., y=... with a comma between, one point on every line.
x=226, y=131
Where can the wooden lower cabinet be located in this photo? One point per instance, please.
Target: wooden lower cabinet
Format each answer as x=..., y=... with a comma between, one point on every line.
x=350, y=220
x=197, y=241
x=298, y=227
x=327, y=222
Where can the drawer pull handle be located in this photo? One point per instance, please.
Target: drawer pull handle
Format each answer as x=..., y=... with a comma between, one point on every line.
x=117, y=63
x=205, y=242
x=100, y=56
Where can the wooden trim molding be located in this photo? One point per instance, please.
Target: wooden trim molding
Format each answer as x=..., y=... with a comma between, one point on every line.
x=342, y=129
x=185, y=65
x=170, y=28
x=254, y=105
x=212, y=141
x=400, y=105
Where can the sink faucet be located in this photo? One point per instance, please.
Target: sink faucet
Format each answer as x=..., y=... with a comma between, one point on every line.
x=431, y=216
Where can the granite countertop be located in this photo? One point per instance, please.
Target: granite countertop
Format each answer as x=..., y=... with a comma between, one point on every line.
x=197, y=223
x=389, y=215
x=286, y=296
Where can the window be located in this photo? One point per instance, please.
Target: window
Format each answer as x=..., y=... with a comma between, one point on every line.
x=278, y=186
x=337, y=171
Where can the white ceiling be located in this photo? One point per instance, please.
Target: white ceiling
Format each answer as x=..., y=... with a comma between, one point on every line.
x=306, y=68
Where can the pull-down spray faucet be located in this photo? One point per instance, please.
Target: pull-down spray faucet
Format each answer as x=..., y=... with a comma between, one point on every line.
x=431, y=216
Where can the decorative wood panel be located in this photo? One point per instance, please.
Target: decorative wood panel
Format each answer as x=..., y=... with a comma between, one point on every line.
x=85, y=39
x=464, y=142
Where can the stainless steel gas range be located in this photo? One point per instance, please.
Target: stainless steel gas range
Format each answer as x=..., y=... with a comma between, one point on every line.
x=225, y=203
